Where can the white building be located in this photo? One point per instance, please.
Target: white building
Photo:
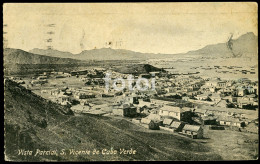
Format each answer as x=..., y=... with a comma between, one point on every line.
x=172, y=111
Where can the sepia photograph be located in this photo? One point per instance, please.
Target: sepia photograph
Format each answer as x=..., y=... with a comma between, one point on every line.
x=172, y=81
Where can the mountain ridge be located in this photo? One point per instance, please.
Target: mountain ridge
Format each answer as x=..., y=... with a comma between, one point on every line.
x=245, y=44
x=18, y=56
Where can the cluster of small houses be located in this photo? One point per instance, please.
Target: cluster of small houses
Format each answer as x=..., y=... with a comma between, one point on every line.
x=193, y=131
x=173, y=119
x=176, y=119
x=43, y=78
x=66, y=95
x=229, y=69
x=152, y=113
x=94, y=87
x=162, y=115
x=242, y=93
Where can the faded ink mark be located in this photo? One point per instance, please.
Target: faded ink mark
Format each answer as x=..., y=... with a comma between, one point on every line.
x=230, y=47
x=82, y=46
x=50, y=33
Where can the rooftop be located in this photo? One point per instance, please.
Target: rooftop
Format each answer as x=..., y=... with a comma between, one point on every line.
x=175, y=124
x=171, y=109
x=191, y=128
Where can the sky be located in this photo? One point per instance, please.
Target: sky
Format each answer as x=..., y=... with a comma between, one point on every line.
x=143, y=27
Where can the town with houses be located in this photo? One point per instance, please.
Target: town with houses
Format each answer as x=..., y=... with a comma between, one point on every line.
x=181, y=104
x=130, y=81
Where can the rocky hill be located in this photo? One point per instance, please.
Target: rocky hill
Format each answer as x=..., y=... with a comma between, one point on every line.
x=137, y=69
x=244, y=46
x=52, y=53
x=17, y=56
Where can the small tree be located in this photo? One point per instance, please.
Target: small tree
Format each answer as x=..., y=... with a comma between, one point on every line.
x=153, y=126
x=243, y=124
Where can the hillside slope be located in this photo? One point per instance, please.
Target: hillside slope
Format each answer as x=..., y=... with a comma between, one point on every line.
x=52, y=53
x=32, y=123
x=17, y=56
x=137, y=69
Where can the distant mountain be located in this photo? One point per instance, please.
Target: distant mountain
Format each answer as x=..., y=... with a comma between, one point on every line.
x=102, y=54
x=52, y=53
x=17, y=56
x=110, y=54
x=246, y=46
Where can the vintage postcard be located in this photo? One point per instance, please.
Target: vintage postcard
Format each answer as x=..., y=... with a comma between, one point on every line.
x=130, y=81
